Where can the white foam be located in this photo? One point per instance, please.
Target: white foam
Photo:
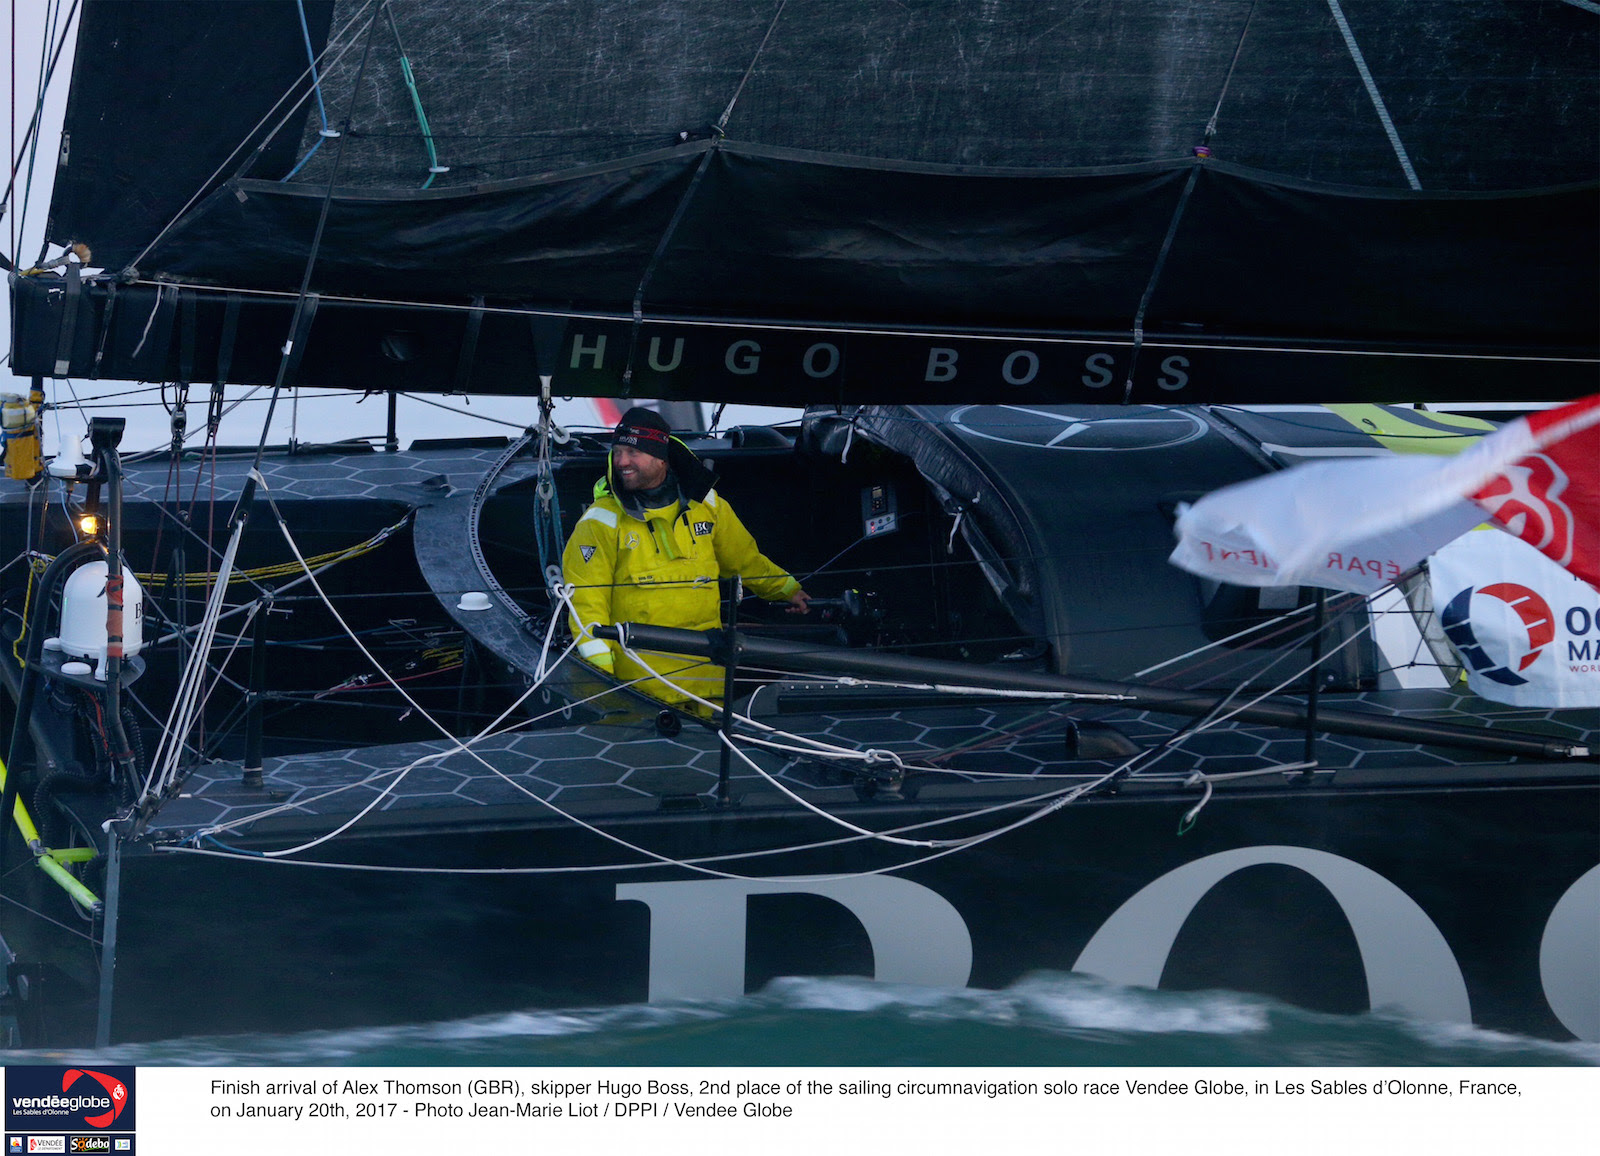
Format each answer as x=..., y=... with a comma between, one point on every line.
x=1046, y=1000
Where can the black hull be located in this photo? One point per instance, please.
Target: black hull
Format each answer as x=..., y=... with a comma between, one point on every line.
x=1315, y=889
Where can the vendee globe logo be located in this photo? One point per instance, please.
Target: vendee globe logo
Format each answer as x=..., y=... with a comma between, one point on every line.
x=115, y=1089
x=58, y=1099
x=1525, y=620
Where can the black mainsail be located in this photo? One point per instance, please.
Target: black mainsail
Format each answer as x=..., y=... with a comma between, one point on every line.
x=803, y=200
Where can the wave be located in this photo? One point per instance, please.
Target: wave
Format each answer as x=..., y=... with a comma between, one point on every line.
x=1046, y=1019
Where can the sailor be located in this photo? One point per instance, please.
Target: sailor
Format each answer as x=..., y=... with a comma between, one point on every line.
x=651, y=548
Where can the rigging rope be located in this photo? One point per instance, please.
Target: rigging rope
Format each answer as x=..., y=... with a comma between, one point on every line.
x=434, y=167
x=188, y=701
x=1047, y=803
x=1372, y=92
x=206, y=185
x=561, y=596
x=1211, y=125
x=722, y=121
x=547, y=531
x=1041, y=339
x=464, y=748
x=316, y=85
x=30, y=139
x=304, y=296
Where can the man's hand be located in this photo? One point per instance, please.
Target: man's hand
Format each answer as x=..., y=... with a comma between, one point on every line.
x=799, y=602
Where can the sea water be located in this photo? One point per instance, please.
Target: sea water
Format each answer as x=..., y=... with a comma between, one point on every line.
x=1044, y=1020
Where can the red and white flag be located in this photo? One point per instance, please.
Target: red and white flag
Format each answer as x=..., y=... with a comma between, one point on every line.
x=1358, y=524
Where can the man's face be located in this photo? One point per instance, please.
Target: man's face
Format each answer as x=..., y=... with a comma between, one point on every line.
x=637, y=470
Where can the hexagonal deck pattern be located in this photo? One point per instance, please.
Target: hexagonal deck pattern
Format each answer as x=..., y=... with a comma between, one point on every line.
x=954, y=753
x=968, y=752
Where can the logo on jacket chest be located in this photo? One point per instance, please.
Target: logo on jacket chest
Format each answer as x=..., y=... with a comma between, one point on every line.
x=701, y=529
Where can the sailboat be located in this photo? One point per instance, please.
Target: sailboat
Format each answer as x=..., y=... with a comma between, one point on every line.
x=298, y=736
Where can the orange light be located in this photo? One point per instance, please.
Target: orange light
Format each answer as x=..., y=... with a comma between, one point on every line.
x=89, y=524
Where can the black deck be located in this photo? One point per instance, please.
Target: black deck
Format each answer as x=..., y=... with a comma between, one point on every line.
x=625, y=766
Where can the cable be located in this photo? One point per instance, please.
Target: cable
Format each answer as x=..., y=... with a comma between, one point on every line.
x=206, y=185
x=186, y=700
x=316, y=86
x=1372, y=93
x=434, y=168
x=286, y=359
x=30, y=139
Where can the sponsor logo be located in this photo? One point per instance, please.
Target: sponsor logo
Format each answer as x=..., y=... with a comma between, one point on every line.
x=1526, y=499
x=633, y=435
x=920, y=937
x=70, y=1099
x=114, y=1088
x=1495, y=661
x=701, y=529
x=964, y=365
x=587, y=552
x=15, y=1144
x=47, y=1143
x=123, y=1144
x=90, y=1144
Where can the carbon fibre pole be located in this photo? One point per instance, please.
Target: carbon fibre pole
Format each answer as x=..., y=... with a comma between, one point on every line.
x=805, y=658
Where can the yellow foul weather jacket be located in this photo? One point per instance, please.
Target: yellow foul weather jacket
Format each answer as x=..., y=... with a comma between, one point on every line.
x=663, y=570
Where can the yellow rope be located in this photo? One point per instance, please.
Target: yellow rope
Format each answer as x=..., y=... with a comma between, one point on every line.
x=261, y=573
x=36, y=567
x=281, y=569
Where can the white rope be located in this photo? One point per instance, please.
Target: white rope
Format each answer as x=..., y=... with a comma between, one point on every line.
x=1149, y=670
x=1198, y=779
x=940, y=848
x=299, y=803
x=844, y=753
x=698, y=864
x=186, y=700
x=154, y=309
x=950, y=544
x=869, y=756
x=248, y=608
x=410, y=701
x=1299, y=674
x=1372, y=93
x=562, y=593
x=464, y=748
x=579, y=869
x=816, y=745
x=816, y=810
x=1058, y=800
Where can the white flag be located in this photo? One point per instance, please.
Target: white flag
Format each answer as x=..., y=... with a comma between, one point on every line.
x=1358, y=524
